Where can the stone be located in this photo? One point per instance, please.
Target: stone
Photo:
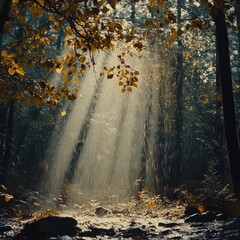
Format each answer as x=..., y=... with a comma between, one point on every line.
x=208, y=216
x=232, y=225
x=221, y=217
x=190, y=210
x=167, y=225
x=5, y=228
x=95, y=231
x=134, y=233
x=204, y=217
x=51, y=226
x=65, y=237
x=166, y=232
x=101, y=211
x=197, y=217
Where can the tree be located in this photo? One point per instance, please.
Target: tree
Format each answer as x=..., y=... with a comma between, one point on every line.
x=217, y=12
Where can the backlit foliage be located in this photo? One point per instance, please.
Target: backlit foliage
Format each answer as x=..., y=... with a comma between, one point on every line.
x=34, y=29
x=29, y=57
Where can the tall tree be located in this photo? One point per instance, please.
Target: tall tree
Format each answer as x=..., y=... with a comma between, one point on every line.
x=179, y=88
x=218, y=13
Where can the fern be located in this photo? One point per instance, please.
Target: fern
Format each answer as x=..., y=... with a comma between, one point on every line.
x=211, y=185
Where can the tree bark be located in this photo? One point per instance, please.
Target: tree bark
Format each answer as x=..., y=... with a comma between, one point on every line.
x=179, y=104
x=237, y=13
x=227, y=95
x=218, y=129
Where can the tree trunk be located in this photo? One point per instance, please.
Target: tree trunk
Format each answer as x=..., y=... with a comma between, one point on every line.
x=4, y=17
x=218, y=129
x=227, y=95
x=237, y=13
x=179, y=104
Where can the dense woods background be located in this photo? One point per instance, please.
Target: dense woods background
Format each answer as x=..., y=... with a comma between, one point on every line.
x=47, y=46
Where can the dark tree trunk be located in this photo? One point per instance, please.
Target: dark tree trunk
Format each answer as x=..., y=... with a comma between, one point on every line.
x=179, y=104
x=8, y=144
x=218, y=130
x=227, y=95
x=237, y=13
x=4, y=17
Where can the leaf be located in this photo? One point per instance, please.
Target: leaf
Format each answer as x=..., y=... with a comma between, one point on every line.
x=51, y=18
x=3, y=187
x=112, y=3
x=4, y=53
x=7, y=197
x=20, y=71
x=201, y=207
x=82, y=59
x=129, y=89
x=110, y=76
x=104, y=10
x=15, y=1
x=135, y=84
x=151, y=205
x=63, y=113
x=11, y=71
x=41, y=2
x=123, y=90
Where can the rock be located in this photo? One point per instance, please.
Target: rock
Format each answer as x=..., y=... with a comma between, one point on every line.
x=232, y=225
x=65, y=237
x=167, y=225
x=208, y=216
x=190, y=210
x=166, y=232
x=94, y=232
x=51, y=226
x=134, y=233
x=5, y=229
x=101, y=211
x=221, y=217
x=197, y=217
x=204, y=217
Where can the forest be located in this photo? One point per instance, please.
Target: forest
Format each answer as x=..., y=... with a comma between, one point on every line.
x=120, y=119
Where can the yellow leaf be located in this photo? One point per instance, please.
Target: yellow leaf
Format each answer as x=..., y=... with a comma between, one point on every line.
x=20, y=71
x=151, y=205
x=135, y=84
x=205, y=101
x=63, y=113
x=7, y=197
x=201, y=207
x=11, y=71
x=4, y=53
x=57, y=26
x=129, y=89
x=123, y=90
x=15, y=1
x=41, y=2
x=51, y=18
x=82, y=59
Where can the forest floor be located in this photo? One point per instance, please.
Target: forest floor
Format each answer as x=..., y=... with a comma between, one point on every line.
x=118, y=223
x=145, y=218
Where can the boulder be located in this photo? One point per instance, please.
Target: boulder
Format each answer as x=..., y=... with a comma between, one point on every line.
x=204, y=217
x=51, y=226
x=96, y=231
